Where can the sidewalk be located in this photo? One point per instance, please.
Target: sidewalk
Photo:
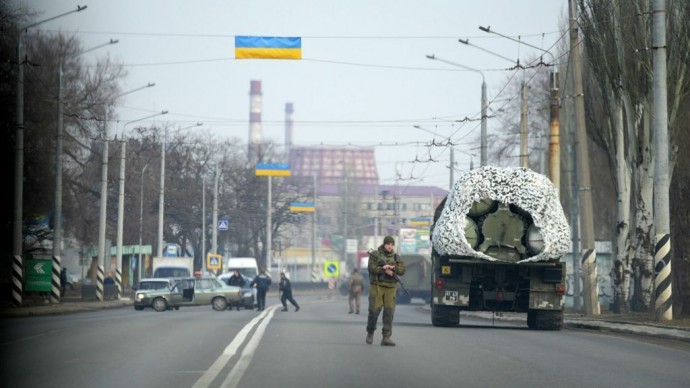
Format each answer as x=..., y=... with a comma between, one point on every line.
x=66, y=307
x=622, y=324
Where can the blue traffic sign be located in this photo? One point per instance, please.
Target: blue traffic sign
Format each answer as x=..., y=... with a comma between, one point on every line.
x=223, y=224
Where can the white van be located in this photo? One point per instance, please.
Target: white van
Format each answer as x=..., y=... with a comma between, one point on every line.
x=249, y=269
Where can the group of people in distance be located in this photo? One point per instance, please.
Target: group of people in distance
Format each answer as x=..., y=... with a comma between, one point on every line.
x=262, y=282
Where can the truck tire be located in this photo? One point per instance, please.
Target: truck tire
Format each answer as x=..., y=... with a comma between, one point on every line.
x=444, y=316
x=159, y=304
x=219, y=303
x=546, y=319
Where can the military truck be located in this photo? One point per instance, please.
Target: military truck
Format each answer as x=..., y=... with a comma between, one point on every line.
x=497, y=241
x=416, y=279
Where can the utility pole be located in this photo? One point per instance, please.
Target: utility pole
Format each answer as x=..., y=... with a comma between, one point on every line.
x=663, y=304
x=589, y=258
x=18, y=215
x=555, y=134
x=161, y=197
x=214, y=231
x=524, y=160
x=203, y=226
x=313, y=225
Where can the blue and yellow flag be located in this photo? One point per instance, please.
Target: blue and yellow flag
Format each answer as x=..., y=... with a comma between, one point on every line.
x=307, y=207
x=268, y=47
x=272, y=169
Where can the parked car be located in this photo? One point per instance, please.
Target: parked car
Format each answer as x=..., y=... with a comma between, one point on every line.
x=189, y=292
x=153, y=284
x=247, y=291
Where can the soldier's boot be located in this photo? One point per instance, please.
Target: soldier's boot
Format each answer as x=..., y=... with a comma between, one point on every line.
x=386, y=341
x=357, y=311
x=284, y=309
x=370, y=338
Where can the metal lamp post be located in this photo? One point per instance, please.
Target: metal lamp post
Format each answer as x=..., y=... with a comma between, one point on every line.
x=141, y=222
x=121, y=201
x=483, y=157
x=57, y=224
x=17, y=247
x=104, y=195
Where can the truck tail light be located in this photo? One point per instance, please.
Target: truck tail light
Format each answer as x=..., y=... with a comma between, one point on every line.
x=439, y=284
x=560, y=289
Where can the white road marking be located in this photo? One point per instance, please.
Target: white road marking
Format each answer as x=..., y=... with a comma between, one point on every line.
x=235, y=375
x=207, y=378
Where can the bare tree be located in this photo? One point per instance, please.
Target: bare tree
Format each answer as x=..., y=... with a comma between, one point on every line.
x=616, y=37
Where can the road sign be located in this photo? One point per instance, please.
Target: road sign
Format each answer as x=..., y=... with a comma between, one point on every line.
x=331, y=269
x=351, y=246
x=213, y=261
x=38, y=275
x=223, y=224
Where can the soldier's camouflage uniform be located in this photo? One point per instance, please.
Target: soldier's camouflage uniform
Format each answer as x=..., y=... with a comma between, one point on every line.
x=382, y=290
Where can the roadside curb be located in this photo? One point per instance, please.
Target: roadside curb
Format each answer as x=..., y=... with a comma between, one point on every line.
x=62, y=308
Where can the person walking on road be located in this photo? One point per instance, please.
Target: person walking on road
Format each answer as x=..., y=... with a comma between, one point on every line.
x=285, y=289
x=384, y=267
x=236, y=280
x=261, y=282
x=354, y=287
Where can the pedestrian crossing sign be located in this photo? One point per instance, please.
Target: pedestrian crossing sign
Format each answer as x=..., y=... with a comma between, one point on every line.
x=223, y=225
x=213, y=261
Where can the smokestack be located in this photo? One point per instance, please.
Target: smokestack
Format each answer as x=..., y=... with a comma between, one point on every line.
x=288, y=127
x=254, y=122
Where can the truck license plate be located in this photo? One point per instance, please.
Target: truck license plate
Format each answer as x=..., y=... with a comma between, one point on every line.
x=451, y=296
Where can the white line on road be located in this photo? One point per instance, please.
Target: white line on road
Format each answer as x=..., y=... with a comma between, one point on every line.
x=235, y=375
x=215, y=369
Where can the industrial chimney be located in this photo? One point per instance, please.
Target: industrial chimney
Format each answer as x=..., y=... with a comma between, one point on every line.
x=254, y=122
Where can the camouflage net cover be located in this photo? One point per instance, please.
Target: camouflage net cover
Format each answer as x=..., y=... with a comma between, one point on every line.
x=527, y=189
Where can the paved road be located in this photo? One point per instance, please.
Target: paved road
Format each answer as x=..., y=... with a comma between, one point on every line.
x=321, y=345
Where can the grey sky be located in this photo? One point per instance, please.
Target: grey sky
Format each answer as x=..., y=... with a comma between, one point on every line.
x=364, y=78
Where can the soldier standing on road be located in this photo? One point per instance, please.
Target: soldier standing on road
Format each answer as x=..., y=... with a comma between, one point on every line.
x=261, y=282
x=383, y=266
x=236, y=280
x=285, y=288
x=354, y=286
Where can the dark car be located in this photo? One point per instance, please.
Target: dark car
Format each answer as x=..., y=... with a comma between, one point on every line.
x=189, y=292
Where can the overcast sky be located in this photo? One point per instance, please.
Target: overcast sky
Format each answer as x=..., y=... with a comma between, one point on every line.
x=363, y=80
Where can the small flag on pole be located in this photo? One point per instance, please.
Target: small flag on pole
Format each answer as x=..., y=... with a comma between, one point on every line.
x=268, y=47
x=307, y=207
x=272, y=169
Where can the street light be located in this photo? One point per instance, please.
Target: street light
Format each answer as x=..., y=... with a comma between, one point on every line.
x=17, y=248
x=554, y=120
x=483, y=136
x=104, y=194
x=141, y=220
x=121, y=201
x=57, y=226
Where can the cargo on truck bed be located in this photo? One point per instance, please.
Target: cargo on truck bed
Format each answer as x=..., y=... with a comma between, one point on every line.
x=497, y=241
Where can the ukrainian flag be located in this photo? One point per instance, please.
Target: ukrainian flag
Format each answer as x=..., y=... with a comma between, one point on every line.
x=272, y=169
x=307, y=207
x=267, y=47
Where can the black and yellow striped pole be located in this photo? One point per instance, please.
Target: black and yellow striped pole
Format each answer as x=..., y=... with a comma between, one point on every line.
x=663, y=303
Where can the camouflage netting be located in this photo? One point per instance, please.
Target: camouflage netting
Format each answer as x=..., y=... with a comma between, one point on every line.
x=524, y=188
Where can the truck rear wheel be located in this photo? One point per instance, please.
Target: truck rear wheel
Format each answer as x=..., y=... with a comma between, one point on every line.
x=445, y=316
x=545, y=319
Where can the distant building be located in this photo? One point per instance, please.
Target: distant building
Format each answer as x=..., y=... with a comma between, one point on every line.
x=350, y=202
